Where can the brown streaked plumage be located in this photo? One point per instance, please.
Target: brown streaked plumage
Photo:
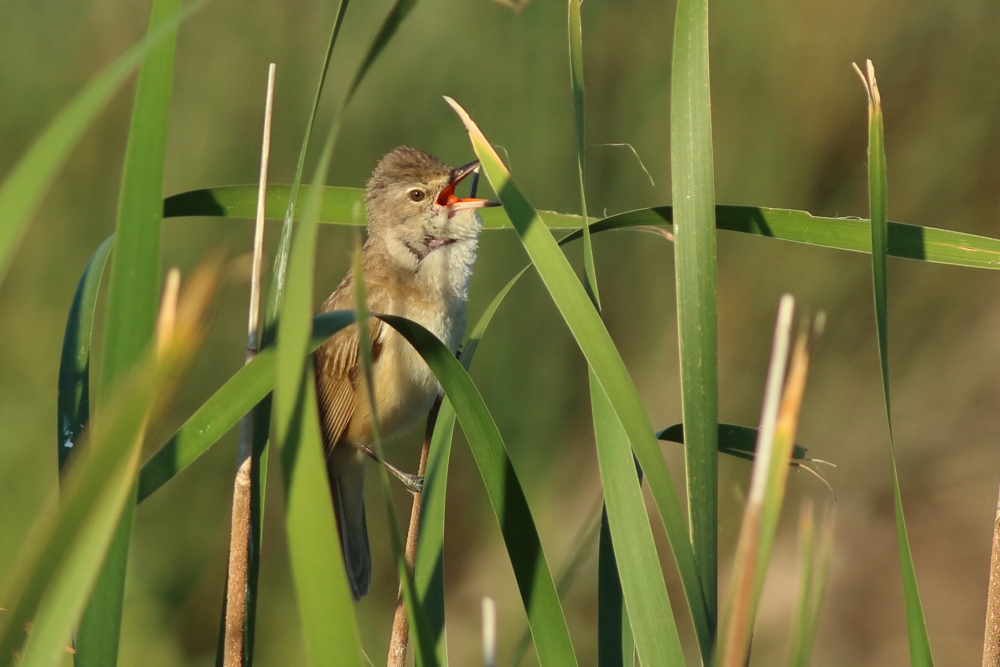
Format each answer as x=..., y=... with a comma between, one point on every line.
x=417, y=263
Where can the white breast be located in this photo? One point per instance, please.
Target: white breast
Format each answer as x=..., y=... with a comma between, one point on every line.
x=406, y=382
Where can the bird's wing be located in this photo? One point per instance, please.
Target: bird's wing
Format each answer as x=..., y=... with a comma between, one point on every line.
x=338, y=379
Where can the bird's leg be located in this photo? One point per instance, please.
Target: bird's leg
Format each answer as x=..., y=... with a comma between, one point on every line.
x=413, y=483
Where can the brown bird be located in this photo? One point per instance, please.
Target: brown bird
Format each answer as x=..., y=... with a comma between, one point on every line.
x=417, y=262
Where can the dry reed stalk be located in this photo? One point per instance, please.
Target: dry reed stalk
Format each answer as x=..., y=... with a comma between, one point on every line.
x=234, y=642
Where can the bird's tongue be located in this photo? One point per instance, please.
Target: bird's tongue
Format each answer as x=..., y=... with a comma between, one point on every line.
x=450, y=199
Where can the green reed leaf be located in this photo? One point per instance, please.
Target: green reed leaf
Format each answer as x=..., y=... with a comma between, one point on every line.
x=916, y=626
x=694, y=263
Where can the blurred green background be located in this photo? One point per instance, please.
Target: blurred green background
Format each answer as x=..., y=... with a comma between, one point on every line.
x=789, y=121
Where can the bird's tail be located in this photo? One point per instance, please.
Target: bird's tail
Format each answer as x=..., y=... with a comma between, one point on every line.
x=345, y=468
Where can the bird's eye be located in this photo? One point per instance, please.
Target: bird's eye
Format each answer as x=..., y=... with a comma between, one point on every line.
x=416, y=194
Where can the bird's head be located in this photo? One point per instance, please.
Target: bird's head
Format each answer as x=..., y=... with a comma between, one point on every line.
x=413, y=208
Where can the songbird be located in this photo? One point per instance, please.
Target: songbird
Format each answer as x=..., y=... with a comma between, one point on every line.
x=417, y=263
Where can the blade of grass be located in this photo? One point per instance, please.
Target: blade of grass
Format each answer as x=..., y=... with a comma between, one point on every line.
x=221, y=412
x=287, y=199
x=327, y=614
x=693, y=190
x=734, y=638
x=261, y=417
x=920, y=647
x=340, y=205
x=223, y=409
x=423, y=647
x=615, y=642
x=429, y=568
x=643, y=586
x=321, y=586
x=346, y=206
x=581, y=550
x=579, y=93
x=814, y=566
x=738, y=441
x=73, y=408
x=130, y=317
x=297, y=414
x=538, y=591
x=591, y=335
x=779, y=420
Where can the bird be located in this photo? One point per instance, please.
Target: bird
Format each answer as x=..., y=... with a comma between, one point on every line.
x=417, y=261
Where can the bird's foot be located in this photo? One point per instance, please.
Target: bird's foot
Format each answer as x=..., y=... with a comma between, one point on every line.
x=414, y=483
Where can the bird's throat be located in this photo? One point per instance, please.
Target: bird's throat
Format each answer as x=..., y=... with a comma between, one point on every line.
x=428, y=245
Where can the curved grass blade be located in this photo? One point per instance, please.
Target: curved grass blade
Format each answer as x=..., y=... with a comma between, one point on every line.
x=916, y=627
x=192, y=439
x=931, y=244
x=73, y=407
x=22, y=190
x=261, y=417
x=397, y=14
x=538, y=591
x=222, y=412
x=429, y=568
x=693, y=190
x=602, y=355
x=279, y=198
x=133, y=286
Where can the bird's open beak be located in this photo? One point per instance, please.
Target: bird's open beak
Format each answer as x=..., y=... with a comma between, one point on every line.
x=449, y=199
